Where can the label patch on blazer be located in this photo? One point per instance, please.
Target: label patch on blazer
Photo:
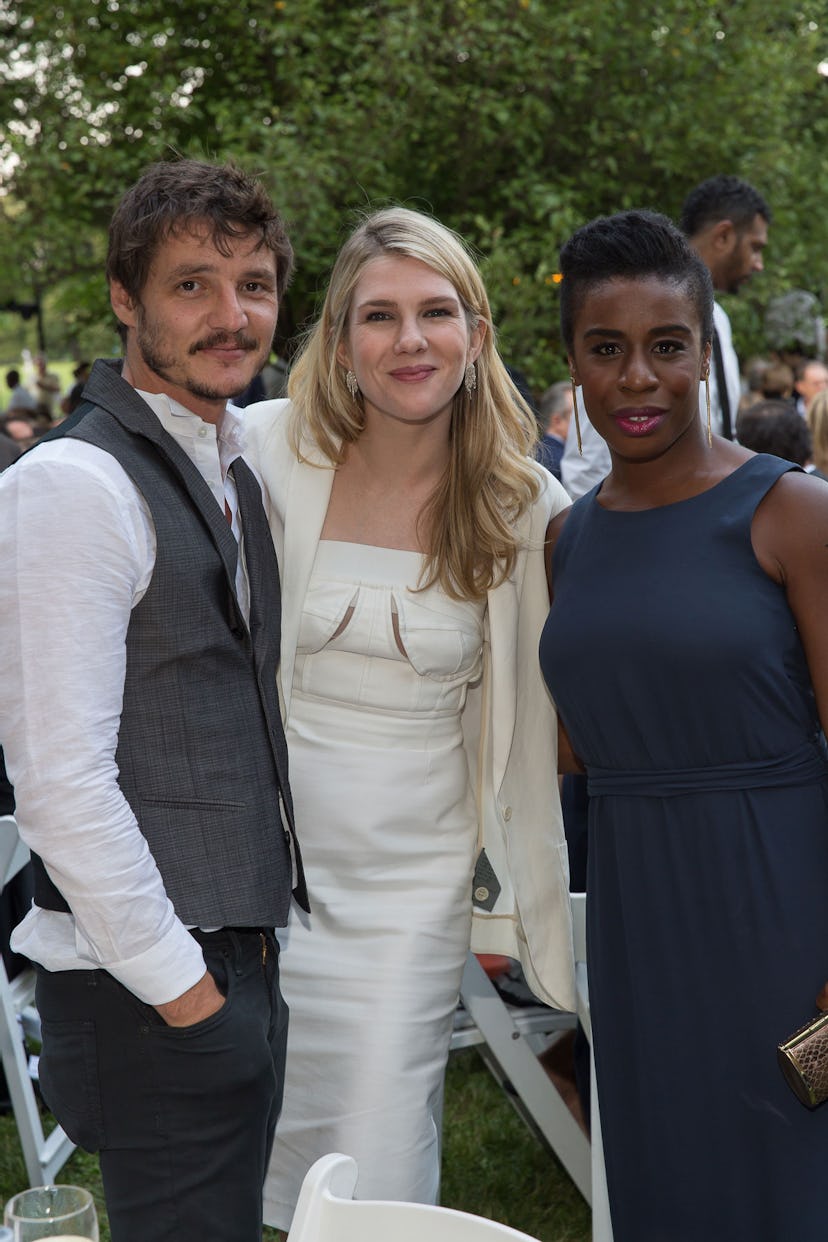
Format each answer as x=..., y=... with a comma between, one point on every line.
x=485, y=886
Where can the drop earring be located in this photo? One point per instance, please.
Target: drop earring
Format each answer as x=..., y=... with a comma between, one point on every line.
x=707, y=399
x=351, y=384
x=575, y=412
x=471, y=379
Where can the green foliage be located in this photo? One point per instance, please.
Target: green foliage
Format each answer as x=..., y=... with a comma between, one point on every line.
x=512, y=120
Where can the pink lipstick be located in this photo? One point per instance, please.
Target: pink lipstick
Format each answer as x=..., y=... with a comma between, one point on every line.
x=639, y=422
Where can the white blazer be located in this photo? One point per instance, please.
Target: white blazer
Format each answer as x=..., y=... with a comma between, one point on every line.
x=521, y=888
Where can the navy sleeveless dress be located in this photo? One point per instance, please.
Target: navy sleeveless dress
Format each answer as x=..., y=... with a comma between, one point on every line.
x=679, y=673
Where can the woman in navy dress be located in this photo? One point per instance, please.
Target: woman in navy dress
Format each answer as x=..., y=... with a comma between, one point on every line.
x=687, y=650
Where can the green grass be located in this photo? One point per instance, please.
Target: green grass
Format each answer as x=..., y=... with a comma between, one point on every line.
x=492, y=1165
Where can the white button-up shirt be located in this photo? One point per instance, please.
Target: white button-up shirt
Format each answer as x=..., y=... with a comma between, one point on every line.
x=77, y=552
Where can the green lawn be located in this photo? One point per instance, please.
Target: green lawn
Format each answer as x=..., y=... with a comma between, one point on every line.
x=492, y=1165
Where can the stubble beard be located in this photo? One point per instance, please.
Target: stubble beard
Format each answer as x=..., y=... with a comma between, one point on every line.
x=148, y=341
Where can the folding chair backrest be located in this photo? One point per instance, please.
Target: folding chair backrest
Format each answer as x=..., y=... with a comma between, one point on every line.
x=326, y=1212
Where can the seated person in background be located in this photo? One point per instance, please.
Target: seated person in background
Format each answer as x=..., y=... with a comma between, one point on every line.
x=775, y=427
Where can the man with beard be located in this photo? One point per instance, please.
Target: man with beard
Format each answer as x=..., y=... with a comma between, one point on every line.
x=139, y=627
x=726, y=221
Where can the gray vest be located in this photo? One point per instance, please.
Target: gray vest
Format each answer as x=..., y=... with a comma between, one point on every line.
x=201, y=751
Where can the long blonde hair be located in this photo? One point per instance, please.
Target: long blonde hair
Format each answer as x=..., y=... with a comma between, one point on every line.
x=818, y=422
x=489, y=481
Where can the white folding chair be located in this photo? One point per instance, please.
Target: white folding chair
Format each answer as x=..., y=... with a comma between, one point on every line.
x=505, y=1035
x=325, y=1212
x=43, y=1155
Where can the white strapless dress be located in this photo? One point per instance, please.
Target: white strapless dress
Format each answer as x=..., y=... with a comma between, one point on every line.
x=386, y=821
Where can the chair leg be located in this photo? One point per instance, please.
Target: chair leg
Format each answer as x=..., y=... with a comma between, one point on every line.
x=510, y=1057
x=43, y=1156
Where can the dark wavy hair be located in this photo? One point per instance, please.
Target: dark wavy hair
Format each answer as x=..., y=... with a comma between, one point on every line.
x=630, y=245
x=178, y=195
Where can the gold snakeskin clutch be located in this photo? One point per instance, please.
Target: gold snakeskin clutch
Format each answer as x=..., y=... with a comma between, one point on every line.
x=803, y=1059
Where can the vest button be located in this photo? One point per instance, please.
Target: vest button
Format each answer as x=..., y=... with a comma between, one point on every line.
x=481, y=893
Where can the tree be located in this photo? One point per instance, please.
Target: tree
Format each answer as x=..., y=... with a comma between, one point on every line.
x=512, y=120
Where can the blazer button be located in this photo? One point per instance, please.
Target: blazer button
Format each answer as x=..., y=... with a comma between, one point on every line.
x=481, y=893
x=507, y=813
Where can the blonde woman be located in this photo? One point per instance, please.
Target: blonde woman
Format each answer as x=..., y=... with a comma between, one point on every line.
x=410, y=522
x=818, y=422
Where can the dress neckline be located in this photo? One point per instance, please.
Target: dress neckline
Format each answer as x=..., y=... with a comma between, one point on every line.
x=374, y=548
x=746, y=466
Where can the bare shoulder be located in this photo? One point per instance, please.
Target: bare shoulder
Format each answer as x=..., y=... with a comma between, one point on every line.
x=796, y=496
x=790, y=527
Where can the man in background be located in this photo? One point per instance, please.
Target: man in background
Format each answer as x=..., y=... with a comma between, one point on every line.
x=47, y=388
x=554, y=414
x=726, y=221
x=810, y=378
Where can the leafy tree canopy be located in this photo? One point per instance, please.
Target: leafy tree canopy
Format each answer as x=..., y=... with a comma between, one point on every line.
x=513, y=121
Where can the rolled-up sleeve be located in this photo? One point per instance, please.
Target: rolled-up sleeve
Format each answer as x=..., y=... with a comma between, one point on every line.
x=76, y=554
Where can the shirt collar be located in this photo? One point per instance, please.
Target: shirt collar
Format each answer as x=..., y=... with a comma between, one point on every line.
x=181, y=423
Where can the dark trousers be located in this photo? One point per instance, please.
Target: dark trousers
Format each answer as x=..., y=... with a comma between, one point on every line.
x=183, y=1118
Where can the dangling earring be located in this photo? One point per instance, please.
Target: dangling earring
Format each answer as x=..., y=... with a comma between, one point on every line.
x=575, y=412
x=351, y=384
x=471, y=379
x=707, y=399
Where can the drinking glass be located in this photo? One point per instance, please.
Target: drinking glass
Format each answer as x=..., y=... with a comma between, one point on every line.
x=62, y=1213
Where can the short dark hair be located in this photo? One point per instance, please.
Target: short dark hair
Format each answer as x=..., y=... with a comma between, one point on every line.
x=630, y=245
x=174, y=196
x=722, y=198
x=12, y=378
x=775, y=427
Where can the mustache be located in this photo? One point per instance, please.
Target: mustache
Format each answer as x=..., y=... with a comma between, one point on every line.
x=237, y=340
